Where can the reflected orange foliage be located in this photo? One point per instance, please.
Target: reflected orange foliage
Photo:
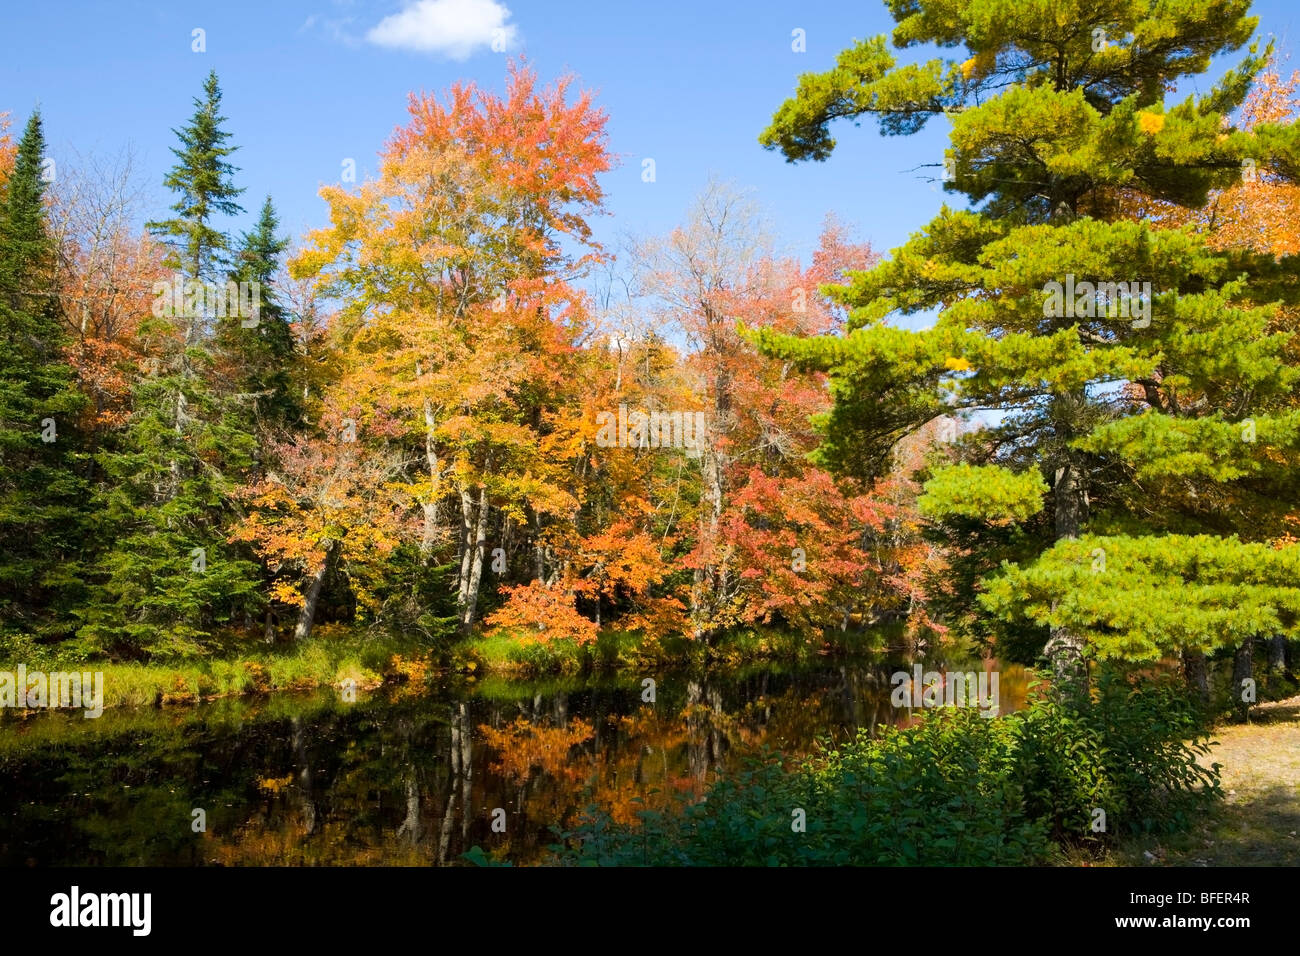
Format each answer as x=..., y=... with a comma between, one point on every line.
x=525, y=748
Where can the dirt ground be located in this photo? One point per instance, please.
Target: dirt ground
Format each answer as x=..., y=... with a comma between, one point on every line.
x=1259, y=823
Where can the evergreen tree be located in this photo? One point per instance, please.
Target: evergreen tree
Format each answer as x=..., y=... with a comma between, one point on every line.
x=258, y=350
x=203, y=179
x=41, y=495
x=1137, y=379
x=171, y=578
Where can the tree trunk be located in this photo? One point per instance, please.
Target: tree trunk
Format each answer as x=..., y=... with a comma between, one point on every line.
x=307, y=616
x=430, y=534
x=1196, y=674
x=430, y=507
x=696, y=745
x=1243, y=670
x=453, y=777
x=709, y=580
x=466, y=768
x=466, y=529
x=1064, y=647
x=1277, y=653
x=539, y=550
x=410, y=827
x=470, y=607
x=305, y=789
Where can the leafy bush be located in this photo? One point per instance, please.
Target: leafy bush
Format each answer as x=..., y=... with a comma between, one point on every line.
x=941, y=793
x=1133, y=754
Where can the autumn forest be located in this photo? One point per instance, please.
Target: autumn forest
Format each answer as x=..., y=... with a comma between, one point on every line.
x=992, y=534
x=406, y=432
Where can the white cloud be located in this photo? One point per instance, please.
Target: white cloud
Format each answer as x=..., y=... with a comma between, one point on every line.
x=454, y=28
x=339, y=29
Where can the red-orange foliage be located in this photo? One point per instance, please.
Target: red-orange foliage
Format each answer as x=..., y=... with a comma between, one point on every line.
x=543, y=613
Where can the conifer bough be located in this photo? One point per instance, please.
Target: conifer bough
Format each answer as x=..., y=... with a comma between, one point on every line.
x=1168, y=445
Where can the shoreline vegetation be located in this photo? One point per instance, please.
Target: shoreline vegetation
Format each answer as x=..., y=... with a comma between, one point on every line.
x=1050, y=783
x=373, y=658
x=335, y=654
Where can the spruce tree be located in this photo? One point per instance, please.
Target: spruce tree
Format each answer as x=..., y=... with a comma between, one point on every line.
x=204, y=182
x=41, y=495
x=258, y=351
x=172, y=578
x=1134, y=388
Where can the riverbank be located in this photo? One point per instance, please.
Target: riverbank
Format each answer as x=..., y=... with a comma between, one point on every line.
x=410, y=772
x=327, y=660
x=336, y=655
x=552, y=746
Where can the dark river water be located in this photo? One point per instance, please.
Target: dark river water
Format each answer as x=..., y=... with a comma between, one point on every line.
x=409, y=775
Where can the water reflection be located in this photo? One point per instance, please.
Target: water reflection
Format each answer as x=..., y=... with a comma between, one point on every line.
x=408, y=775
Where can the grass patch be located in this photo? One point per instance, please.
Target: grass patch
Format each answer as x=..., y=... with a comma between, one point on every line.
x=331, y=656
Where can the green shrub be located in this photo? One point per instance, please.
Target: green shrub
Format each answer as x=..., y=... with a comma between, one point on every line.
x=24, y=648
x=940, y=793
x=1133, y=754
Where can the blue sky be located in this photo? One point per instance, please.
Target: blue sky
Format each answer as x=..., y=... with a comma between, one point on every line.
x=310, y=83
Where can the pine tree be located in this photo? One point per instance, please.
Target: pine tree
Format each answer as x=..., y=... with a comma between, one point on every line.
x=41, y=494
x=258, y=359
x=1137, y=379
